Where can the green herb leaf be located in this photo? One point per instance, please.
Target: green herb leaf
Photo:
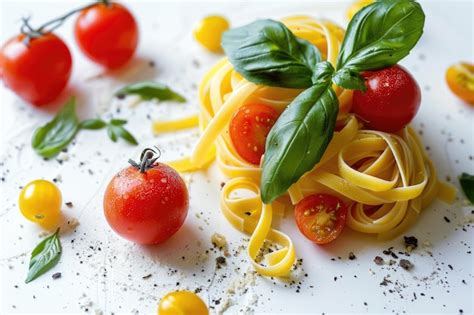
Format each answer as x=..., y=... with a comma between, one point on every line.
x=51, y=138
x=266, y=52
x=44, y=257
x=467, y=185
x=381, y=34
x=149, y=90
x=298, y=139
x=323, y=73
x=348, y=79
x=118, y=122
x=111, y=133
x=92, y=124
x=119, y=131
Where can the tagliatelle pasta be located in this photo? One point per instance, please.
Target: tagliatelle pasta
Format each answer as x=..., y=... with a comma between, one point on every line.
x=385, y=179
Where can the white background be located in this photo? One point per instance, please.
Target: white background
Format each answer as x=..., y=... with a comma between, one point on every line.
x=110, y=279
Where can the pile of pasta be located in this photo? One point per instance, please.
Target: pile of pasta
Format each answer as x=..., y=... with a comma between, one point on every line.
x=385, y=179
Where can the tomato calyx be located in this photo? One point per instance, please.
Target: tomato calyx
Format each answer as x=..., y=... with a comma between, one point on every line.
x=148, y=157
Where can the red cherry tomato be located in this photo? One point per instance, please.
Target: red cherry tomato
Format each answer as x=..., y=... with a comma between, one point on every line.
x=38, y=71
x=391, y=101
x=249, y=129
x=107, y=34
x=149, y=207
x=320, y=218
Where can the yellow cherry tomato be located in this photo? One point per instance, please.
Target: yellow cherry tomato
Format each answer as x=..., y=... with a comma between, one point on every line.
x=182, y=303
x=356, y=6
x=209, y=32
x=460, y=79
x=40, y=202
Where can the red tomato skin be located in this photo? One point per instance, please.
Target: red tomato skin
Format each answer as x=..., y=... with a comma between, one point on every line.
x=248, y=133
x=146, y=208
x=314, y=200
x=391, y=101
x=37, y=72
x=108, y=35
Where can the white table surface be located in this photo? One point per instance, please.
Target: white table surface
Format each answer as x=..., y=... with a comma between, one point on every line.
x=102, y=273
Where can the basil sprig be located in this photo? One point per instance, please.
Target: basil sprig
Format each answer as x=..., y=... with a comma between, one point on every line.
x=378, y=36
x=49, y=139
x=148, y=90
x=44, y=257
x=467, y=185
x=266, y=52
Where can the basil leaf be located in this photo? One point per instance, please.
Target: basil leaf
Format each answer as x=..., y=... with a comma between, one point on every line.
x=381, y=34
x=298, y=139
x=467, y=185
x=44, y=257
x=118, y=122
x=348, y=79
x=266, y=52
x=119, y=131
x=51, y=138
x=111, y=133
x=323, y=73
x=149, y=90
x=92, y=124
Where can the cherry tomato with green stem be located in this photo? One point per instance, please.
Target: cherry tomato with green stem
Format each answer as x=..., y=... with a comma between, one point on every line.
x=146, y=202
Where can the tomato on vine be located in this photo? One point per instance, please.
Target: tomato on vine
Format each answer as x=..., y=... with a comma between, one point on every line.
x=36, y=65
x=107, y=33
x=146, y=202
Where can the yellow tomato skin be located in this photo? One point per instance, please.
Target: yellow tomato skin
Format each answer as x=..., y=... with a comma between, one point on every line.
x=460, y=79
x=356, y=6
x=182, y=303
x=40, y=202
x=209, y=32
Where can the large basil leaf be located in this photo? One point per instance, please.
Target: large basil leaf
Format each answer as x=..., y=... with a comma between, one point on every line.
x=266, y=52
x=467, y=185
x=381, y=34
x=44, y=257
x=51, y=138
x=298, y=139
x=148, y=90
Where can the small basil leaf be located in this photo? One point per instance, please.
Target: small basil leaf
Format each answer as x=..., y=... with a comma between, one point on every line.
x=467, y=185
x=121, y=132
x=111, y=133
x=298, y=139
x=44, y=257
x=51, y=138
x=348, y=79
x=149, y=90
x=92, y=124
x=323, y=73
x=266, y=52
x=118, y=122
x=381, y=34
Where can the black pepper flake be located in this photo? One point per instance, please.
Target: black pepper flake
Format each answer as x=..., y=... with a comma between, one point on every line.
x=385, y=281
x=352, y=256
x=56, y=275
x=69, y=204
x=220, y=260
x=406, y=264
x=148, y=276
x=410, y=242
x=378, y=260
x=151, y=63
x=446, y=219
x=450, y=267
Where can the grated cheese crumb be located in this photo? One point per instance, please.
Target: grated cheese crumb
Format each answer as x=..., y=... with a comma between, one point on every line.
x=219, y=240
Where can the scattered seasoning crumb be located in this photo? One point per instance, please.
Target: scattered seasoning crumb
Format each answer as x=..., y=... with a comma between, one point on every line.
x=411, y=243
x=220, y=261
x=352, y=256
x=378, y=260
x=56, y=275
x=446, y=219
x=385, y=281
x=69, y=204
x=406, y=264
x=219, y=241
x=148, y=276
